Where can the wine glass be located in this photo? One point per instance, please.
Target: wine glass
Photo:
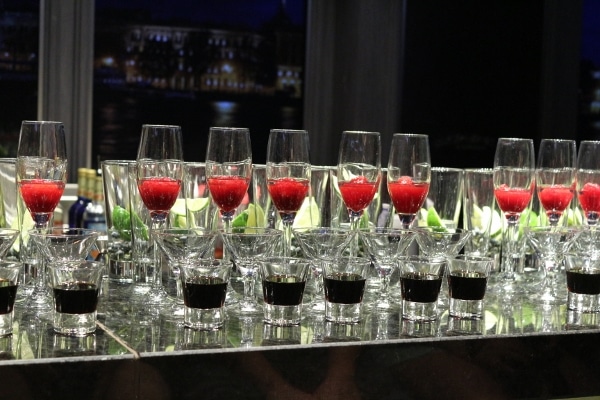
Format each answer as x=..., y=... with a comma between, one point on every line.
x=385, y=246
x=228, y=169
x=588, y=191
x=41, y=170
x=322, y=244
x=555, y=176
x=513, y=187
x=288, y=176
x=359, y=174
x=409, y=174
x=159, y=175
x=551, y=243
x=247, y=246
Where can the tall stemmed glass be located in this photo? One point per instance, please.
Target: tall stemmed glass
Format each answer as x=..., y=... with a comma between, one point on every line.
x=588, y=191
x=555, y=176
x=41, y=171
x=288, y=176
x=514, y=167
x=159, y=174
x=359, y=174
x=228, y=169
x=409, y=174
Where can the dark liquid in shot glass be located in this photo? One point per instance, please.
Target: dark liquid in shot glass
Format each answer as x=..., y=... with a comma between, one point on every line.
x=204, y=292
x=467, y=285
x=283, y=290
x=583, y=281
x=8, y=292
x=344, y=288
x=420, y=287
x=76, y=298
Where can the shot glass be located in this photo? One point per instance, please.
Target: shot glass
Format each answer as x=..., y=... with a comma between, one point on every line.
x=583, y=283
x=467, y=281
x=9, y=282
x=204, y=286
x=420, y=283
x=283, y=283
x=344, y=283
x=75, y=287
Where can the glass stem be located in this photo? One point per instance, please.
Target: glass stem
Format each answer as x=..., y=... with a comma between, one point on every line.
x=249, y=287
x=354, y=226
x=288, y=221
x=157, y=224
x=510, y=249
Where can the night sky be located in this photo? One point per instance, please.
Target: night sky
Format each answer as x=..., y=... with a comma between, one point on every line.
x=226, y=12
x=590, y=35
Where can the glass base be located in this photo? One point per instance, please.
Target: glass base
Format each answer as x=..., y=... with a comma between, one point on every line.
x=74, y=324
x=343, y=313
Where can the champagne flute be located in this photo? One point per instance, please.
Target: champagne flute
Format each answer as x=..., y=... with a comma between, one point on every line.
x=555, y=176
x=409, y=174
x=159, y=175
x=41, y=170
x=359, y=174
x=588, y=190
x=288, y=176
x=228, y=169
x=513, y=188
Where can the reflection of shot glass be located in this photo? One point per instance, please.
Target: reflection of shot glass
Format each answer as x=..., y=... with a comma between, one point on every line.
x=420, y=283
x=444, y=199
x=583, y=283
x=9, y=282
x=198, y=340
x=75, y=285
x=204, y=285
x=277, y=335
x=118, y=219
x=467, y=281
x=283, y=283
x=344, y=283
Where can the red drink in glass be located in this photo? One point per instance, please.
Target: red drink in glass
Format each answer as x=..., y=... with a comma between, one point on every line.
x=555, y=199
x=228, y=191
x=512, y=201
x=589, y=197
x=288, y=193
x=159, y=193
x=407, y=195
x=41, y=196
x=358, y=193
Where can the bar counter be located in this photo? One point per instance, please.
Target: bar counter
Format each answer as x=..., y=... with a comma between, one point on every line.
x=519, y=350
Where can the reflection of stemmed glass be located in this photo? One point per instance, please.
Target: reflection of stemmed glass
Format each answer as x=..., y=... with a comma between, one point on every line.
x=588, y=188
x=288, y=176
x=409, y=174
x=159, y=174
x=41, y=170
x=228, y=169
x=359, y=173
x=555, y=176
x=247, y=246
x=513, y=188
x=385, y=245
x=322, y=244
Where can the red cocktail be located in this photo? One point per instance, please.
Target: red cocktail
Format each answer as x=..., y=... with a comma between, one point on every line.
x=158, y=193
x=228, y=191
x=358, y=193
x=288, y=193
x=41, y=196
x=512, y=201
x=589, y=198
x=555, y=199
x=407, y=196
